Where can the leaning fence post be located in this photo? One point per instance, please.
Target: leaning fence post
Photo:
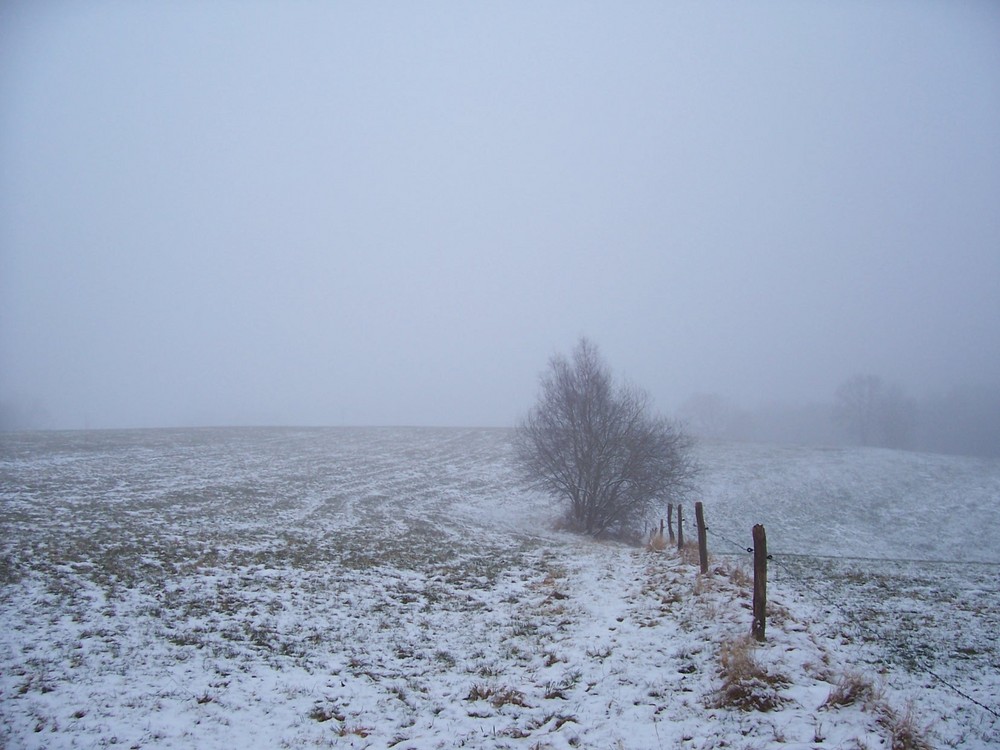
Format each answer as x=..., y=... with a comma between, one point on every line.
x=759, y=583
x=670, y=521
x=699, y=515
x=680, y=527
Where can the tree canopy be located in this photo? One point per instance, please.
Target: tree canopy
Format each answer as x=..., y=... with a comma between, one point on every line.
x=597, y=446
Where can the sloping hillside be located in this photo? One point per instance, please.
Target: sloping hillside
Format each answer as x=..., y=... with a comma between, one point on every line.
x=375, y=588
x=856, y=502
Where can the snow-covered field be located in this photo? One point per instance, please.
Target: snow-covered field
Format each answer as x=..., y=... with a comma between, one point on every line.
x=267, y=588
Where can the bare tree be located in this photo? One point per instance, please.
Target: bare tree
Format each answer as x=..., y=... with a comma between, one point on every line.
x=898, y=417
x=856, y=407
x=598, y=448
x=874, y=413
x=709, y=415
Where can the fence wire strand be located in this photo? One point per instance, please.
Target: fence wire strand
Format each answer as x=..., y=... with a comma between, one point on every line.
x=917, y=660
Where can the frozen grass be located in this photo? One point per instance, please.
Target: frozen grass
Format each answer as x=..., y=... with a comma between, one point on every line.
x=854, y=502
x=394, y=588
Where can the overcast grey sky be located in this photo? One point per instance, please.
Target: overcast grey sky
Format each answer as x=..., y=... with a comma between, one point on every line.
x=394, y=213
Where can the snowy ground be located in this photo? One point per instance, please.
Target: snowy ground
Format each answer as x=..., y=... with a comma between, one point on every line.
x=394, y=588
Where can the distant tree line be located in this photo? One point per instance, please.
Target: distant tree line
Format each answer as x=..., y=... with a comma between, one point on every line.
x=873, y=413
x=864, y=410
x=965, y=420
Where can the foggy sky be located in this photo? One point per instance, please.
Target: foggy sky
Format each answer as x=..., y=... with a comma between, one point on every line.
x=395, y=213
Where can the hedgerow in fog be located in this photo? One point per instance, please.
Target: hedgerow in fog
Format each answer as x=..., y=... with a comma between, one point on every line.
x=598, y=448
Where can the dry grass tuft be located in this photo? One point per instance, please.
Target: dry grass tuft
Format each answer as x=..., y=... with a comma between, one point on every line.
x=657, y=543
x=689, y=553
x=852, y=688
x=322, y=713
x=904, y=731
x=740, y=577
x=746, y=684
x=704, y=585
x=497, y=696
x=357, y=730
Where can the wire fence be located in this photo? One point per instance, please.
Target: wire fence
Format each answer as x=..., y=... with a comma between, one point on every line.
x=916, y=660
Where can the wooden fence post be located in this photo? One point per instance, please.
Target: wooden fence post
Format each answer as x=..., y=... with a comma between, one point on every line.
x=670, y=521
x=680, y=527
x=699, y=514
x=759, y=583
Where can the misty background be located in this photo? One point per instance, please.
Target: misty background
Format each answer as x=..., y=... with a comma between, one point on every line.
x=343, y=213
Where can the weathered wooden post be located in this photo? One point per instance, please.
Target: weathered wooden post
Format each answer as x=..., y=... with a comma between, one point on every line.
x=759, y=583
x=670, y=521
x=680, y=526
x=699, y=515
